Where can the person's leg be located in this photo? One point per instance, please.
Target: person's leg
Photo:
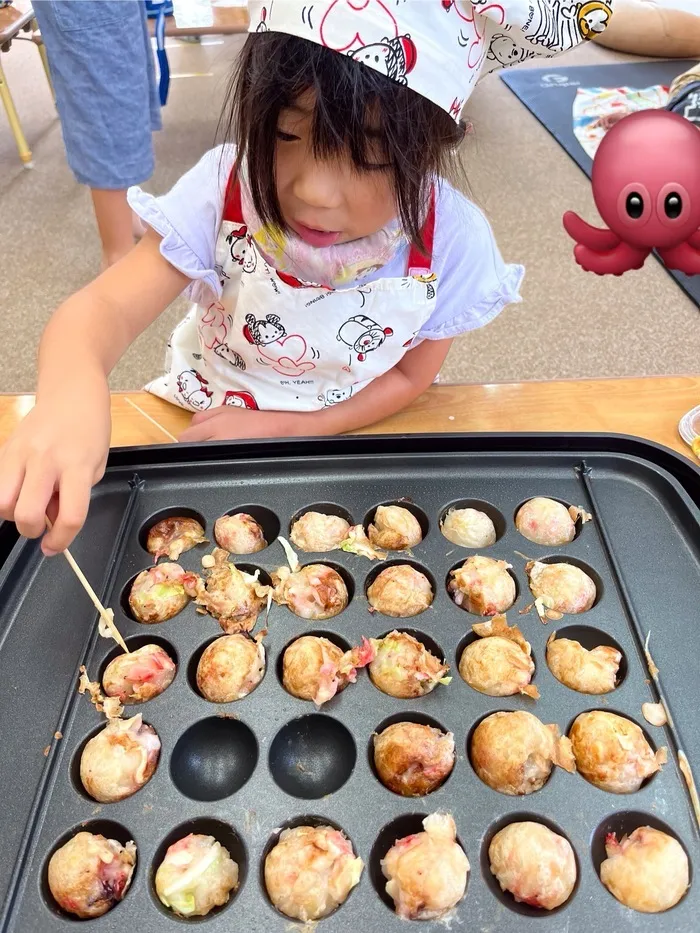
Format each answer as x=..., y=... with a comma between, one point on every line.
x=101, y=63
x=643, y=27
x=114, y=223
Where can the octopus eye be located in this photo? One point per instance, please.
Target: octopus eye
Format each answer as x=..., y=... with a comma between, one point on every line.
x=634, y=205
x=673, y=205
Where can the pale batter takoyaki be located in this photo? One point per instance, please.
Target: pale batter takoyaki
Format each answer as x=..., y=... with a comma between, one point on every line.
x=230, y=668
x=647, y=870
x=412, y=759
x=548, y=522
x=400, y=591
x=159, y=593
x=172, y=536
x=482, y=586
x=514, y=752
x=120, y=759
x=427, y=872
x=311, y=871
x=196, y=875
x=317, y=532
x=612, y=752
x=316, y=669
x=561, y=587
x=394, y=528
x=232, y=596
x=239, y=534
x=90, y=874
x=404, y=668
x=536, y=865
x=588, y=671
x=140, y=675
x=499, y=662
x=469, y=528
x=314, y=592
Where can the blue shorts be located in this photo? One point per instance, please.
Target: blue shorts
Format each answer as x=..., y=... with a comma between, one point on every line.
x=102, y=69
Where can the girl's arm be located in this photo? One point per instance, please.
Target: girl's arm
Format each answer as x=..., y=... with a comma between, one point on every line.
x=385, y=395
x=60, y=449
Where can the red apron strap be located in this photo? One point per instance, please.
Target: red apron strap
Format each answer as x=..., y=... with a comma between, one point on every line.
x=417, y=262
x=232, y=205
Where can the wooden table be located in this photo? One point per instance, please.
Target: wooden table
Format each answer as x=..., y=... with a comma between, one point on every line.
x=649, y=408
x=226, y=21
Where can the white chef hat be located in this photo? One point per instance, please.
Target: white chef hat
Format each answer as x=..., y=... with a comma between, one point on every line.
x=438, y=48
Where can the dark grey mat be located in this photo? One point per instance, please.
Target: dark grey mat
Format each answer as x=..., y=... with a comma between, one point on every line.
x=548, y=93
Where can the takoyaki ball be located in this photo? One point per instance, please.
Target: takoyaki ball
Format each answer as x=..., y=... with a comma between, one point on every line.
x=647, y=870
x=537, y=866
x=230, y=668
x=400, y=591
x=230, y=595
x=140, y=675
x=317, y=532
x=562, y=587
x=171, y=537
x=196, y=875
x=427, y=872
x=394, y=528
x=499, y=663
x=120, y=759
x=612, y=752
x=239, y=534
x=514, y=752
x=413, y=760
x=468, y=528
x=314, y=592
x=310, y=872
x=90, y=874
x=404, y=668
x=588, y=671
x=160, y=592
x=313, y=668
x=546, y=521
x=482, y=586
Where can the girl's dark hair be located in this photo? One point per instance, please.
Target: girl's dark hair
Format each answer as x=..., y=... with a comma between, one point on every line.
x=418, y=140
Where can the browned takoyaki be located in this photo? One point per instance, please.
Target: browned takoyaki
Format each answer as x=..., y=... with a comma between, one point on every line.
x=90, y=874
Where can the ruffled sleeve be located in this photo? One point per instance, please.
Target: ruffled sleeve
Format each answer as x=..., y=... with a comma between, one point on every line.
x=474, y=283
x=188, y=218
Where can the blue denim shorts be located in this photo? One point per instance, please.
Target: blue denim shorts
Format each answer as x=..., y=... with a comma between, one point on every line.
x=102, y=69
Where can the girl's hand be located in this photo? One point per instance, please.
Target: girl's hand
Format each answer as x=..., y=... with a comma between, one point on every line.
x=51, y=462
x=228, y=422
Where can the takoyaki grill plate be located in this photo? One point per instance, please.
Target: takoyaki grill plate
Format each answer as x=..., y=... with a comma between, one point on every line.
x=221, y=771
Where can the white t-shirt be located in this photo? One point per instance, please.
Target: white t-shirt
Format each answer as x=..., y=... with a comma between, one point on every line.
x=474, y=283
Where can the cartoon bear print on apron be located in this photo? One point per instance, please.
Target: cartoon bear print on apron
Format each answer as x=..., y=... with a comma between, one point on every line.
x=272, y=342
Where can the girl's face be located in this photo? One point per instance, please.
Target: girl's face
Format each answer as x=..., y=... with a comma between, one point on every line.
x=328, y=201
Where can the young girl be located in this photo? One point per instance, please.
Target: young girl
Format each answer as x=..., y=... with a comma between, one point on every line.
x=329, y=264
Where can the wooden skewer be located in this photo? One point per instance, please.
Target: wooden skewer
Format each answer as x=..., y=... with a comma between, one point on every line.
x=152, y=420
x=105, y=614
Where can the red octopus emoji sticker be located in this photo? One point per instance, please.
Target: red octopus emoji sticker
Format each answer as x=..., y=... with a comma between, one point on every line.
x=646, y=186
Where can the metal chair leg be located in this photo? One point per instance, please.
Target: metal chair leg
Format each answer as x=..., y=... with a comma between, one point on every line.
x=25, y=152
x=39, y=42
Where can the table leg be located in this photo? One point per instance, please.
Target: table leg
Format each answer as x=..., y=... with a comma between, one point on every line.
x=25, y=152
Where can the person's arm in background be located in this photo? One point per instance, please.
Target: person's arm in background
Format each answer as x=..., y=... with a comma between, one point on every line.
x=644, y=27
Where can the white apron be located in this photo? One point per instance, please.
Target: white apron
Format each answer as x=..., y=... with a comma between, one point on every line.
x=274, y=343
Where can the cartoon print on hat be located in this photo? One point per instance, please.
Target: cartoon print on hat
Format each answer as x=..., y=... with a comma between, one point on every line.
x=593, y=18
x=393, y=57
x=438, y=48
